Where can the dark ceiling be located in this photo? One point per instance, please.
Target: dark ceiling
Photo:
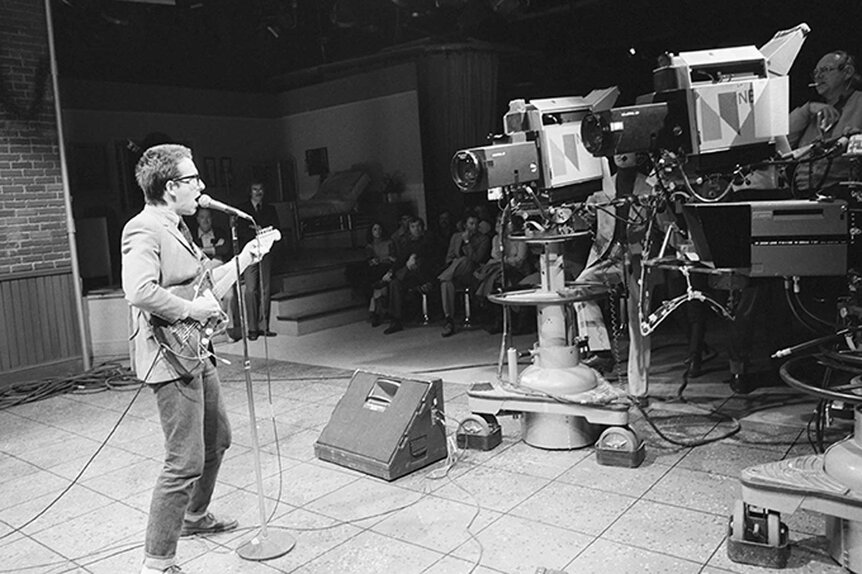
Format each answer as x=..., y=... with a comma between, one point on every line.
x=567, y=45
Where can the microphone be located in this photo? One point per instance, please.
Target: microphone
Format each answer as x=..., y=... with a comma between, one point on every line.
x=206, y=201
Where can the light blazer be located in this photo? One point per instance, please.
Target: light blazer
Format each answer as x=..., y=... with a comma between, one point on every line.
x=155, y=256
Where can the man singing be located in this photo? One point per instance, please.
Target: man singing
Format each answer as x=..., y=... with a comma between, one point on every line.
x=158, y=253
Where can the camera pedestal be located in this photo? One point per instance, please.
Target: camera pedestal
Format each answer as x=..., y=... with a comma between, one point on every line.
x=562, y=403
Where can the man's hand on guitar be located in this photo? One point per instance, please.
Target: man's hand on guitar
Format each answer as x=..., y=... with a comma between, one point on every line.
x=203, y=307
x=255, y=249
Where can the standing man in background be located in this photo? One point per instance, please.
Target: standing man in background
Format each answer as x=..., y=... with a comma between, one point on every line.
x=256, y=278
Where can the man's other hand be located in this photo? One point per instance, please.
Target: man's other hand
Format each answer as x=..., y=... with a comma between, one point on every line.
x=204, y=307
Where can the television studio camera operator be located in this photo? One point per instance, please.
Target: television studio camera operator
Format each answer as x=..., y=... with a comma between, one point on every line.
x=717, y=116
x=542, y=173
x=816, y=140
x=837, y=82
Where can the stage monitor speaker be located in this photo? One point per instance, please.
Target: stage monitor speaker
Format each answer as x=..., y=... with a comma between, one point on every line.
x=386, y=426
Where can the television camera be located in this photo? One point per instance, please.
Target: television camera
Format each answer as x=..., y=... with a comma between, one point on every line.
x=718, y=107
x=540, y=147
x=539, y=163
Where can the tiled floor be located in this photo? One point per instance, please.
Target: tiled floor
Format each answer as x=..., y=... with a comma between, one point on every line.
x=513, y=509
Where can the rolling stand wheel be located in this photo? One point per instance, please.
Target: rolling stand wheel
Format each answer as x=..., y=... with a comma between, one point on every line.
x=479, y=432
x=620, y=446
x=757, y=536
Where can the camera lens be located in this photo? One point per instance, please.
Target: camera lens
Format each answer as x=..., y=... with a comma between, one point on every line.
x=466, y=170
x=593, y=133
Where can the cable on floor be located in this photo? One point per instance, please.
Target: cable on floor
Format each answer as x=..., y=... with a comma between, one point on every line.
x=100, y=378
x=104, y=377
x=74, y=481
x=735, y=428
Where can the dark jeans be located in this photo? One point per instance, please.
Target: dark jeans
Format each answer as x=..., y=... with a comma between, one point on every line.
x=403, y=280
x=197, y=434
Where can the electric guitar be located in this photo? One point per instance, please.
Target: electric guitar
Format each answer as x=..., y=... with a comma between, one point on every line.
x=186, y=342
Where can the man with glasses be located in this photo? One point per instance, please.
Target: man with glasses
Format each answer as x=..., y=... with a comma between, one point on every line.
x=158, y=254
x=837, y=82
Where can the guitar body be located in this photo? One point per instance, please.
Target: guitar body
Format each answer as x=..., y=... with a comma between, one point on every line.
x=186, y=342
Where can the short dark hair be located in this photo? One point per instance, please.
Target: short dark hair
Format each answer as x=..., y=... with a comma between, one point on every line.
x=157, y=166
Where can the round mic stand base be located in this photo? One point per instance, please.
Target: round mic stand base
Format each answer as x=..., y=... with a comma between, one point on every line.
x=269, y=543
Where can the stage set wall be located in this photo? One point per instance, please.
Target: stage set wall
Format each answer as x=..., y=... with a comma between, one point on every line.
x=363, y=126
x=370, y=120
x=38, y=319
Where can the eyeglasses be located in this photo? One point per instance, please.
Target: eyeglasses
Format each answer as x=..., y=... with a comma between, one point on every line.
x=193, y=178
x=823, y=70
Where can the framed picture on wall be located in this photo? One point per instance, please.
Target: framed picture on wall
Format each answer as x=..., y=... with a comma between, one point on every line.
x=317, y=161
x=226, y=173
x=210, y=172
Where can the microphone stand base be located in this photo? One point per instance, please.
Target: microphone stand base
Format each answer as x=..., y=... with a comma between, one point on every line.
x=267, y=546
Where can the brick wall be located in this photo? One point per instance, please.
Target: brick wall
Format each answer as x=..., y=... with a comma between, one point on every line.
x=33, y=232
x=38, y=314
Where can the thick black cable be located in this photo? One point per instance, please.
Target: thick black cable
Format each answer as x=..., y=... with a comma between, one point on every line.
x=104, y=377
x=737, y=427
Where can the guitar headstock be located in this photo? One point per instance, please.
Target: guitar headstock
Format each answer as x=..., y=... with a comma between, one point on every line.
x=266, y=237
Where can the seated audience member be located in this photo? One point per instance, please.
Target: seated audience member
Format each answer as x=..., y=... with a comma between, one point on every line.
x=402, y=232
x=365, y=276
x=605, y=265
x=213, y=240
x=486, y=221
x=467, y=251
x=445, y=227
x=509, y=264
x=216, y=243
x=414, y=268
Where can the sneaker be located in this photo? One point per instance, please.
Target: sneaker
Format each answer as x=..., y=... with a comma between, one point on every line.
x=209, y=524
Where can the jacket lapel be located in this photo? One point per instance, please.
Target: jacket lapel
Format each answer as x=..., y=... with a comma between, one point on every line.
x=174, y=230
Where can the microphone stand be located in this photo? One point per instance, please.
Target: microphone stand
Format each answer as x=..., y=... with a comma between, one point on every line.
x=267, y=543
